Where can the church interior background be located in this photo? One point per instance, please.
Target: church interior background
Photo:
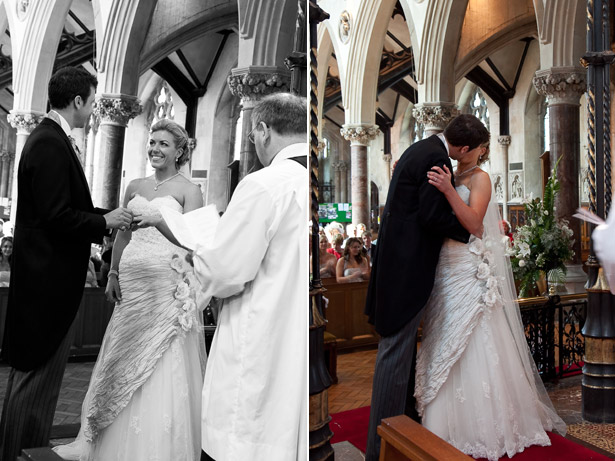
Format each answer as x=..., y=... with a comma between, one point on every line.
x=391, y=72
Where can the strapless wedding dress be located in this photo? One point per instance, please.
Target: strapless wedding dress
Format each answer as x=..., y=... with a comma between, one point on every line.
x=470, y=388
x=144, y=398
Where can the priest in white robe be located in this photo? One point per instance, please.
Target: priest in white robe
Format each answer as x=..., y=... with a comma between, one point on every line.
x=255, y=388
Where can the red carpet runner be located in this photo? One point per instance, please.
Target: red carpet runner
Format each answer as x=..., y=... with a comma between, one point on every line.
x=352, y=426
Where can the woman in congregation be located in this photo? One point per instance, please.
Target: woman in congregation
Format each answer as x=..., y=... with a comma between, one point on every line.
x=6, y=250
x=477, y=386
x=352, y=266
x=144, y=397
x=336, y=246
x=327, y=260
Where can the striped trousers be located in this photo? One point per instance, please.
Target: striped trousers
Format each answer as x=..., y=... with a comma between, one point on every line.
x=30, y=403
x=393, y=383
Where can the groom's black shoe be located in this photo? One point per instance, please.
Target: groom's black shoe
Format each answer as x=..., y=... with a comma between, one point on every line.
x=206, y=457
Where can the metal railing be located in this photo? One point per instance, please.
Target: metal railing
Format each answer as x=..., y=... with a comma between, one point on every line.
x=553, y=327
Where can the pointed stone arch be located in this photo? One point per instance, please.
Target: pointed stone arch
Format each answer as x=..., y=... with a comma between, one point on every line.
x=121, y=34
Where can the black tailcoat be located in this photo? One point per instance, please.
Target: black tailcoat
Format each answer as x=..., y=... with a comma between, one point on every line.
x=416, y=219
x=55, y=225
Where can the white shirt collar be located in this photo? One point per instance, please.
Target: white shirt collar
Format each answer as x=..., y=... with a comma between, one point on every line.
x=63, y=123
x=443, y=139
x=292, y=150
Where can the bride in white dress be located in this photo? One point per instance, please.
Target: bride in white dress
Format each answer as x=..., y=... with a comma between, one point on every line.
x=143, y=402
x=476, y=384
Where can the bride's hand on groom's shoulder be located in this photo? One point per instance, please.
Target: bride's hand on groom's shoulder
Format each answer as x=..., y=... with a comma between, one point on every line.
x=440, y=178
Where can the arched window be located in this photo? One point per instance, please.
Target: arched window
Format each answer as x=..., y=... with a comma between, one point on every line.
x=417, y=131
x=238, y=133
x=478, y=107
x=164, y=104
x=544, y=126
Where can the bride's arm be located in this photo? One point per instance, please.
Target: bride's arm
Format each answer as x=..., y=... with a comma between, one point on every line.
x=470, y=216
x=122, y=238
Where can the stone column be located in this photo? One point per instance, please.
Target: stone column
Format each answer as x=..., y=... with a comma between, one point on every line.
x=24, y=123
x=359, y=137
x=250, y=84
x=340, y=180
x=563, y=88
x=90, y=153
x=504, y=142
x=114, y=111
x=434, y=116
x=387, y=158
x=5, y=178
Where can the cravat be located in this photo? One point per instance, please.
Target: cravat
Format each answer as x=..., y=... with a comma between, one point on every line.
x=74, y=144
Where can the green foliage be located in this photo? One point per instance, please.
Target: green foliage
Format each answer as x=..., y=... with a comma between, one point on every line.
x=544, y=243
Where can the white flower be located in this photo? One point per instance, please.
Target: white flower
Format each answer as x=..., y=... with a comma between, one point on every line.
x=483, y=271
x=524, y=249
x=182, y=292
x=186, y=321
x=177, y=264
x=533, y=223
x=521, y=263
x=546, y=213
x=489, y=257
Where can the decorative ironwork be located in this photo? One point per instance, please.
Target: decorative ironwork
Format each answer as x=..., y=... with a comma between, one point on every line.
x=606, y=129
x=591, y=133
x=553, y=331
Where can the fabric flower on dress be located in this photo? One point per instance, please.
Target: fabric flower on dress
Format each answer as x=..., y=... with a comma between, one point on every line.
x=476, y=247
x=183, y=291
x=177, y=264
x=186, y=321
x=483, y=271
x=490, y=297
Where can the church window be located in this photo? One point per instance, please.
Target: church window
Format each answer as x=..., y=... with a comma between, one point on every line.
x=478, y=107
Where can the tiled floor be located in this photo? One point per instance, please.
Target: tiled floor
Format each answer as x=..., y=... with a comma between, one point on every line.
x=74, y=386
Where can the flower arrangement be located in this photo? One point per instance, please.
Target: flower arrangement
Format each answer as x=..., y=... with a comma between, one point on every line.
x=544, y=243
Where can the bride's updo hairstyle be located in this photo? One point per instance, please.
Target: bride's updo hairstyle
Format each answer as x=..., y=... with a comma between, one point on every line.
x=180, y=136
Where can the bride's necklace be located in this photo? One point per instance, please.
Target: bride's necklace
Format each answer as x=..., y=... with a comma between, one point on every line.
x=466, y=171
x=158, y=184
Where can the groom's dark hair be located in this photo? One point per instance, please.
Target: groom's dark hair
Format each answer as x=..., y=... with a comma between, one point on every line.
x=466, y=130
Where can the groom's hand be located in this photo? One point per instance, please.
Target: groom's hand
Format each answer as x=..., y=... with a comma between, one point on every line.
x=120, y=218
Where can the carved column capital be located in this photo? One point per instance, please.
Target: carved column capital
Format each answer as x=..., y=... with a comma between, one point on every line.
x=24, y=122
x=116, y=109
x=321, y=146
x=359, y=135
x=504, y=140
x=435, y=116
x=252, y=83
x=561, y=85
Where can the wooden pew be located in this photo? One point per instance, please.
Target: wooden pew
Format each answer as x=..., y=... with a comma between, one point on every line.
x=344, y=314
x=403, y=439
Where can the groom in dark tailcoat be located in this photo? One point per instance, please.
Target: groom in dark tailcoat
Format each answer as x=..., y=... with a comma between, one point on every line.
x=56, y=223
x=416, y=219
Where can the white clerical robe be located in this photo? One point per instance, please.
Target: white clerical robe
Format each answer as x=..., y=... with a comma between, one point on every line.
x=255, y=388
